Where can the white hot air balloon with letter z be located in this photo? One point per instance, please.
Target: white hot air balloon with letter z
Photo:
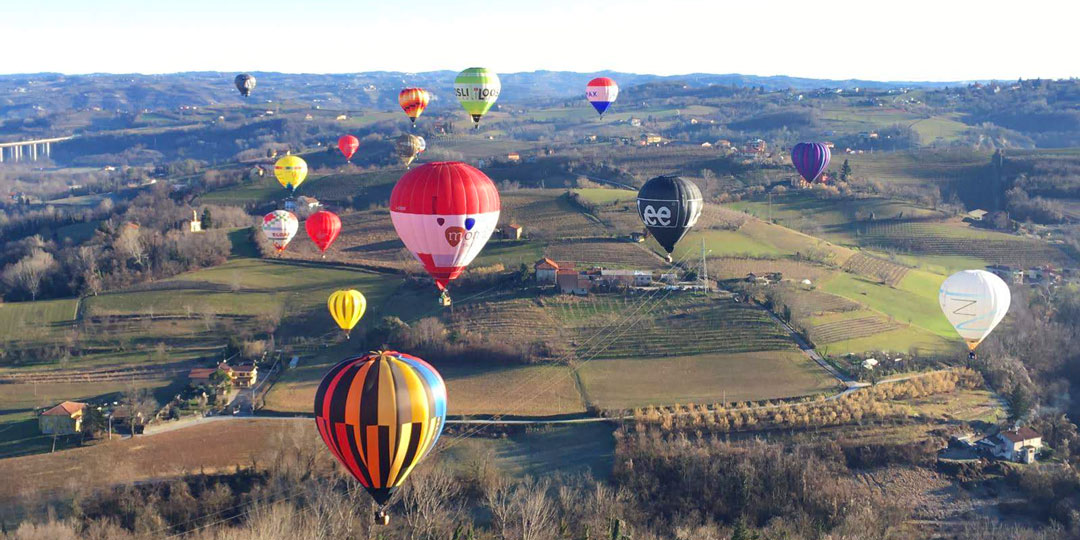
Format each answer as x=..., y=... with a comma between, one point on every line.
x=974, y=302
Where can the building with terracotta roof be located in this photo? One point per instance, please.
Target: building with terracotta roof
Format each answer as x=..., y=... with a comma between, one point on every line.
x=1019, y=445
x=242, y=376
x=546, y=270
x=512, y=231
x=63, y=419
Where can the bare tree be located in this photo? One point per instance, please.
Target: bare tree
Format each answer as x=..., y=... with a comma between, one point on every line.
x=430, y=497
x=28, y=273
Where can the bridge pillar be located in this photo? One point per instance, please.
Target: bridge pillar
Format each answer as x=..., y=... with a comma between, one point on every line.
x=48, y=151
x=33, y=151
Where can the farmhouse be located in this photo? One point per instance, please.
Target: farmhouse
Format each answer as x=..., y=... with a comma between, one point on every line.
x=304, y=201
x=546, y=270
x=512, y=231
x=514, y=157
x=195, y=225
x=571, y=282
x=242, y=376
x=638, y=237
x=629, y=278
x=63, y=419
x=1019, y=445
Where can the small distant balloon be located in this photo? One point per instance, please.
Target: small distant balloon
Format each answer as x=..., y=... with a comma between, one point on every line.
x=323, y=228
x=290, y=171
x=409, y=146
x=347, y=308
x=477, y=89
x=601, y=92
x=413, y=101
x=279, y=227
x=348, y=144
x=245, y=84
x=810, y=159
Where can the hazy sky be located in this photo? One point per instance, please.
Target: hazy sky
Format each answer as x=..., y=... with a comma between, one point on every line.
x=910, y=40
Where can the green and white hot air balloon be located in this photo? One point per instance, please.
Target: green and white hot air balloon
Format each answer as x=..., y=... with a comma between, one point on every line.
x=477, y=89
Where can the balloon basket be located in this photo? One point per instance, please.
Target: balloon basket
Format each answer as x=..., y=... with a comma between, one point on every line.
x=444, y=299
x=382, y=518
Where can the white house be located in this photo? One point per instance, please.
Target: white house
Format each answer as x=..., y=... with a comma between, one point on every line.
x=1019, y=445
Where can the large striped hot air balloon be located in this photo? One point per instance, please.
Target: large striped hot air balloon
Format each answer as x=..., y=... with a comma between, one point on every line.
x=413, y=101
x=444, y=212
x=477, y=89
x=810, y=159
x=290, y=171
x=601, y=92
x=407, y=147
x=380, y=414
x=279, y=227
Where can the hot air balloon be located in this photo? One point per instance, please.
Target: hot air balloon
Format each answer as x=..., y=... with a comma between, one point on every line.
x=477, y=89
x=444, y=212
x=279, y=227
x=810, y=159
x=348, y=145
x=323, y=228
x=409, y=146
x=974, y=302
x=601, y=92
x=669, y=206
x=380, y=414
x=413, y=101
x=245, y=84
x=290, y=171
x=347, y=307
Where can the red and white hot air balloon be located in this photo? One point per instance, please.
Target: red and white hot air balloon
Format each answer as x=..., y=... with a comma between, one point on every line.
x=601, y=92
x=279, y=227
x=444, y=212
x=323, y=228
x=348, y=145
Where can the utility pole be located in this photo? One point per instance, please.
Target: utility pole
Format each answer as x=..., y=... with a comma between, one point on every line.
x=704, y=268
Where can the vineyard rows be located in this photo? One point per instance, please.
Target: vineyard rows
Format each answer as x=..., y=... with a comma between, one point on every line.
x=852, y=329
x=931, y=239
x=873, y=267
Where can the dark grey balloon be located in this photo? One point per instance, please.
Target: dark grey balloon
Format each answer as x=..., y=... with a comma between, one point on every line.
x=669, y=206
x=244, y=83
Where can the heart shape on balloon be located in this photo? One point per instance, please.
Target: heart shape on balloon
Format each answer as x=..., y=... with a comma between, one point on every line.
x=440, y=221
x=469, y=222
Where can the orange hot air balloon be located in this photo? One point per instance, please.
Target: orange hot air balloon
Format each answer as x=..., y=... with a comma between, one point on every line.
x=348, y=145
x=413, y=101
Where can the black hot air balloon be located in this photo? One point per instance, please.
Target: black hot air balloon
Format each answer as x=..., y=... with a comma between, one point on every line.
x=245, y=84
x=669, y=206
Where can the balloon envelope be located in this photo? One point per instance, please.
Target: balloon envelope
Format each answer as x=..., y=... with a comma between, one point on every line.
x=347, y=307
x=974, y=302
x=409, y=146
x=380, y=414
x=290, y=171
x=348, y=145
x=244, y=83
x=601, y=92
x=444, y=212
x=810, y=159
x=413, y=101
x=279, y=227
x=477, y=89
x=323, y=228
x=669, y=206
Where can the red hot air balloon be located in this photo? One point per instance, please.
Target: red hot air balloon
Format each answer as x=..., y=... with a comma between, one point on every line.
x=348, y=145
x=444, y=212
x=810, y=159
x=323, y=227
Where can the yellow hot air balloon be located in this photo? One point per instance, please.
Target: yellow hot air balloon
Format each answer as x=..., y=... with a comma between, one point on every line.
x=347, y=307
x=290, y=171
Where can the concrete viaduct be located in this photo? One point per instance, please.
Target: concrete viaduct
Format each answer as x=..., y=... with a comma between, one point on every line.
x=28, y=150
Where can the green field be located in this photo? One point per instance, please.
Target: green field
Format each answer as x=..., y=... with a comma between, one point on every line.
x=538, y=452
x=704, y=379
x=913, y=302
x=607, y=196
x=41, y=321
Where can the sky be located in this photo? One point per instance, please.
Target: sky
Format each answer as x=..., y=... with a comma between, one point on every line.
x=914, y=40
